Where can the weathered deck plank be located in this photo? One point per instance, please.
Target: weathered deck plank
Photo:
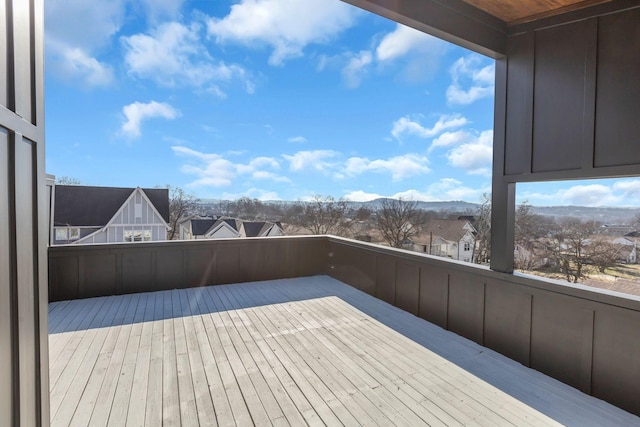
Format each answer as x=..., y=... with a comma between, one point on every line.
x=289, y=352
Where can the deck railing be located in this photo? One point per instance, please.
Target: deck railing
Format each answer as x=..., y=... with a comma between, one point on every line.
x=587, y=338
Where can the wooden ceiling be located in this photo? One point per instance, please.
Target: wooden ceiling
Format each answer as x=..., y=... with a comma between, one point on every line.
x=520, y=11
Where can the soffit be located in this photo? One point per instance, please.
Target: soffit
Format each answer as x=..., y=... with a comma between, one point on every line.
x=519, y=11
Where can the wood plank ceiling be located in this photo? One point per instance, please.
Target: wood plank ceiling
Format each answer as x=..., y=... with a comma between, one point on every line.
x=519, y=11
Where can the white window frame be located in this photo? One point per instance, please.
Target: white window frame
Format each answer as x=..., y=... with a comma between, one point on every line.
x=135, y=236
x=68, y=234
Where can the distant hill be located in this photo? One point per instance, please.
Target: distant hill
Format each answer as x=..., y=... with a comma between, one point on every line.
x=608, y=215
x=457, y=206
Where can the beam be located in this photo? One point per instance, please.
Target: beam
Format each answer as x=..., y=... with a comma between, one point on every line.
x=452, y=20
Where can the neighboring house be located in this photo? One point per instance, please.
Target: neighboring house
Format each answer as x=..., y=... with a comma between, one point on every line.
x=83, y=215
x=615, y=229
x=628, y=249
x=451, y=238
x=194, y=226
x=225, y=228
x=529, y=255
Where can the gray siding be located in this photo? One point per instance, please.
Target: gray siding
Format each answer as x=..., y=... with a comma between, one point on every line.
x=573, y=96
x=24, y=380
x=586, y=338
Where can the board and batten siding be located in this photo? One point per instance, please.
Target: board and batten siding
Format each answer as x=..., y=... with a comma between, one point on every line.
x=274, y=231
x=24, y=377
x=223, y=232
x=137, y=214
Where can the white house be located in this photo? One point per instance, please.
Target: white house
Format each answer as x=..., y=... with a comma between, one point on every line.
x=628, y=249
x=221, y=228
x=450, y=238
x=83, y=215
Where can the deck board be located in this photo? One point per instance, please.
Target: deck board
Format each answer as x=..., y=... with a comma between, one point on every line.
x=288, y=352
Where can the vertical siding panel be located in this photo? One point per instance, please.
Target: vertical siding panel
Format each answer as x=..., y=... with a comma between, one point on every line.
x=559, y=82
x=434, y=294
x=618, y=90
x=5, y=285
x=3, y=54
x=25, y=260
x=519, y=122
x=24, y=390
x=23, y=57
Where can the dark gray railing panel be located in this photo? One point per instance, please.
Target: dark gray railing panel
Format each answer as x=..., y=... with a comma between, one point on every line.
x=507, y=320
x=586, y=338
x=82, y=271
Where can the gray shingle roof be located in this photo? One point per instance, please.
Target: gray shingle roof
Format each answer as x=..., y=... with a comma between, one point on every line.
x=449, y=229
x=199, y=227
x=79, y=205
x=253, y=229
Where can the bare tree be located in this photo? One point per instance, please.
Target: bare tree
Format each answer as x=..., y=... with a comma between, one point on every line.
x=325, y=215
x=482, y=244
x=225, y=208
x=181, y=204
x=398, y=220
x=603, y=253
x=635, y=222
x=67, y=180
x=248, y=209
x=568, y=248
x=525, y=227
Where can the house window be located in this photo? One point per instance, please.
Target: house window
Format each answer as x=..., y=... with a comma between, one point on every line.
x=74, y=233
x=67, y=234
x=467, y=247
x=137, y=236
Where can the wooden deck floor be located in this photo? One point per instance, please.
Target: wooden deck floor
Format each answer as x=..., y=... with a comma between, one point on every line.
x=288, y=352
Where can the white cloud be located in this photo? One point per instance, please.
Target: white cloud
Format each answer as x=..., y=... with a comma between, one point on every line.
x=214, y=170
x=588, y=195
x=315, y=159
x=137, y=112
x=287, y=26
x=405, y=39
x=258, y=163
x=253, y=193
x=603, y=193
x=476, y=156
x=74, y=64
x=399, y=167
x=172, y=55
x=630, y=189
x=417, y=54
x=270, y=176
x=82, y=24
x=297, y=139
x=361, y=196
x=356, y=69
x=158, y=10
x=445, y=190
x=469, y=71
x=407, y=126
x=75, y=30
x=449, y=139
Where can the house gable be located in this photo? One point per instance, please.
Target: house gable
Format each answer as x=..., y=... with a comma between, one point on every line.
x=222, y=229
x=137, y=219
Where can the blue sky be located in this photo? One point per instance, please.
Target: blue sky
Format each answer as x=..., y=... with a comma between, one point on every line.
x=275, y=100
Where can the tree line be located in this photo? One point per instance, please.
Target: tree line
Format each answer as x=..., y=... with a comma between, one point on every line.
x=566, y=246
